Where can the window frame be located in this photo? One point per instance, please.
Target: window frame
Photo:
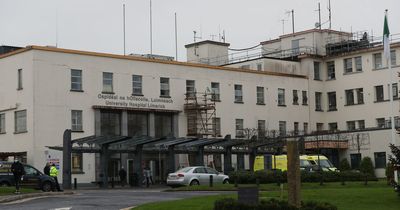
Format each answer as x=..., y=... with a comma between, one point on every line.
x=332, y=105
x=304, y=97
x=377, y=57
x=165, y=87
x=318, y=101
x=317, y=70
x=2, y=123
x=348, y=65
x=349, y=95
x=137, y=85
x=238, y=93
x=216, y=96
x=190, y=88
x=216, y=122
x=379, y=96
x=282, y=128
x=78, y=84
x=331, y=74
x=281, y=97
x=19, y=79
x=19, y=119
x=358, y=63
x=79, y=169
x=393, y=58
x=295, y=97
x=382, y=163
x=76, y=120
x=260, y=95
x=239, y=128
x=108, y=88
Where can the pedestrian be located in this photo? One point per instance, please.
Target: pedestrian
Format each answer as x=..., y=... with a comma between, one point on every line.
x=53, y=174
x=46, y=169
x=151, y=176
x=146, y=173
x=18, y=171
x=122, y=176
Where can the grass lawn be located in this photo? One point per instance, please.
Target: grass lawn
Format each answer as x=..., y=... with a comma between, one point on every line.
x=352, y=196
x=10, y=190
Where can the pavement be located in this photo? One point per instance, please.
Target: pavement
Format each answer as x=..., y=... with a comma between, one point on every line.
x=99, y=199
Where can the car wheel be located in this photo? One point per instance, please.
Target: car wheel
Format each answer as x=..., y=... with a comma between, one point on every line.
x=47, y=187
x=226, y=181
x=4, y=184
x=194, y=182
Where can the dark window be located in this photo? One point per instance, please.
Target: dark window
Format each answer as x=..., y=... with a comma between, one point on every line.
x=190, y=88
x=380, y=122
x=20, y=121
x=137, y=123
x=331, y=70
x=380, y=159
x=305, y=128
x=215, y=91
x=296, y=128
x=332, y=101
x=164, y=87
x=110, y=123
x=2, y=123
x=19, y=87
x=358, y=61
x=259, y=66
x=360, y=95
x=320, y=126
x=217, y=126
x=281, y=97
x=377, y=60
x=282, y=128
x=76, y=120
x=318, y=101
x=379, y=93
x=355, y=160
x=304, y=97
x=348, y=65
x=238, y=94
x=333, y=126
x=351, y=125
x=317, y=71
x=77, y=166
x=137, y=85
x=349, y=97
x=107, y=82
x=260, y=95
x=239, y=128
x=163, y=125
x=295, y=97
x=395, y=91
x=393, y=58
x=361, y=124
x=261, y=128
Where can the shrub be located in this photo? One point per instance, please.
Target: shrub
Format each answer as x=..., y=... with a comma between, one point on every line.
x=232, y=204
x=344, y=165
x=366, y=167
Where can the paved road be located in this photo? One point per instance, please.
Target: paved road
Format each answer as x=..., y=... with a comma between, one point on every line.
x=100, y=199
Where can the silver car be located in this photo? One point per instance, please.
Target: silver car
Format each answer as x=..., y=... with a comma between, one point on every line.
x=196, y=175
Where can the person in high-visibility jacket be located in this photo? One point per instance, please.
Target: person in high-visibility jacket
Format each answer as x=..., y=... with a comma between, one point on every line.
x=53, y=174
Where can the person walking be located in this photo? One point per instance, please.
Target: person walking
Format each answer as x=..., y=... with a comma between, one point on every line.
x=46, y=169
x=53, y=174
x=146, y=173
x=18, y=171
x=122, y=176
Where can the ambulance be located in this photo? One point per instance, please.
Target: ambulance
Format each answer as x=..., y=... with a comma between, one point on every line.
x=279, y=162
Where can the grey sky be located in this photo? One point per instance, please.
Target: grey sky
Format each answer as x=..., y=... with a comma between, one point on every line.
x=96, y=25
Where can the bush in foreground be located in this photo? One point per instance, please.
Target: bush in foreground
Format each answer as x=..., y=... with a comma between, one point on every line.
x=232, y=204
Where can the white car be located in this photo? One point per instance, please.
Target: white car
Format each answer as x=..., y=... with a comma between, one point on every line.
x=196, y=175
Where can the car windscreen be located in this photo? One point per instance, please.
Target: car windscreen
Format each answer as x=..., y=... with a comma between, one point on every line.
x=304, y=163
x=326, y=164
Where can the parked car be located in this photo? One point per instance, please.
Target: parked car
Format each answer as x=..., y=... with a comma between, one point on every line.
x=196, y=175
x=33, y=178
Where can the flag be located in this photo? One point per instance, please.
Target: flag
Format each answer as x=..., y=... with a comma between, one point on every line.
x=386, y=42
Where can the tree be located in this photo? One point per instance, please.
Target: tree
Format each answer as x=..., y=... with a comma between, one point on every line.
x=366, y=167
x=344, y=165
x=395, y=163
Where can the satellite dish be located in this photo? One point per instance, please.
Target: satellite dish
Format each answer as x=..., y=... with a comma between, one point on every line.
x=317, y=25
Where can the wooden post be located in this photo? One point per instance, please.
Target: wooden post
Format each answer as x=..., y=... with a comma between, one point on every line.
x=293, y=173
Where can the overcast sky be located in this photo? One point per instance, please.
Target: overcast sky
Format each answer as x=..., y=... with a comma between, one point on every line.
x=96, y=25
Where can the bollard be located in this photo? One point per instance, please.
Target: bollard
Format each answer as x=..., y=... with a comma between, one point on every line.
x=112, y=182
x=75, y=183
x=211, y=180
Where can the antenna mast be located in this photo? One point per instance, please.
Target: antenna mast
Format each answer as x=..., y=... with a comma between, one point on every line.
x=291, y=13
x=283, y=25
x=123, y=16
x=319, y=15
x=176, y=38
x=330, y=14
x=151, y=31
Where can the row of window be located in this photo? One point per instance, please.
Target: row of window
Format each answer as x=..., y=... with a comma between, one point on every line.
x=351, y=65
x=19, y=122
x=379, y=158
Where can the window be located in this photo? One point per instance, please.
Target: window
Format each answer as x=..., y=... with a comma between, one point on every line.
x=305, y=128
x=261, y=128
x=19, y=79
x=281, y=97
x=377, y=60
x=110, y=123
x=393, y=58
x=260, y=95
x=318, y=101
x=138, y=123
x=331, y=70
x=295, y=97
x=247, y=66
x=107, y=82
x=217, y=126
x=317, y=71
x=137, y=85
x=304, y=97
x=2, y=123
x=238, y=94
x=360, y=95
x=77, y=163
x=163, y=124
x=320, y=126
x=332, y=101
x=215, y=91
x=380, y=159
x=379, y=93
x=164, y=87
x=20, y=121
x=380, y=122
x=296, y=47
x=361, y=124
x=348, y=65
x=259, y=66
x=282, y=128
x=349, y=97
x=358, y=61
x=333, y=126
x=76, y=120
x=395, y=91
x=239, y=128
x=76, y=80
x=190, y=88
x=296, y=128
x=355, y=160
x=351, y=125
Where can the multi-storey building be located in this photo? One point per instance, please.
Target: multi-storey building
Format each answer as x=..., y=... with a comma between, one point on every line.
x=301, y=82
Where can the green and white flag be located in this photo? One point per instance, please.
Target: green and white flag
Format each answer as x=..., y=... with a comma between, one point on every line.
x=386, y=42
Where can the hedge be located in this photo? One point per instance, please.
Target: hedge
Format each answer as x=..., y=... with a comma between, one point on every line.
x=232, y=204
x=268, y=176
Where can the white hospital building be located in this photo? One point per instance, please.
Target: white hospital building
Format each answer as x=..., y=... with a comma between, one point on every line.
x=303, y=82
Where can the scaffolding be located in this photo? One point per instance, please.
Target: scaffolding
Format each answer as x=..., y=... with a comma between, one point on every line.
x=200, y=111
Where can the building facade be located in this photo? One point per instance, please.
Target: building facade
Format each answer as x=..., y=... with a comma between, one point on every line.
x=45, y=90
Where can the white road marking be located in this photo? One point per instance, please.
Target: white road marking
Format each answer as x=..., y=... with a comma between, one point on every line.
x=128, y=208
x=63, y=208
